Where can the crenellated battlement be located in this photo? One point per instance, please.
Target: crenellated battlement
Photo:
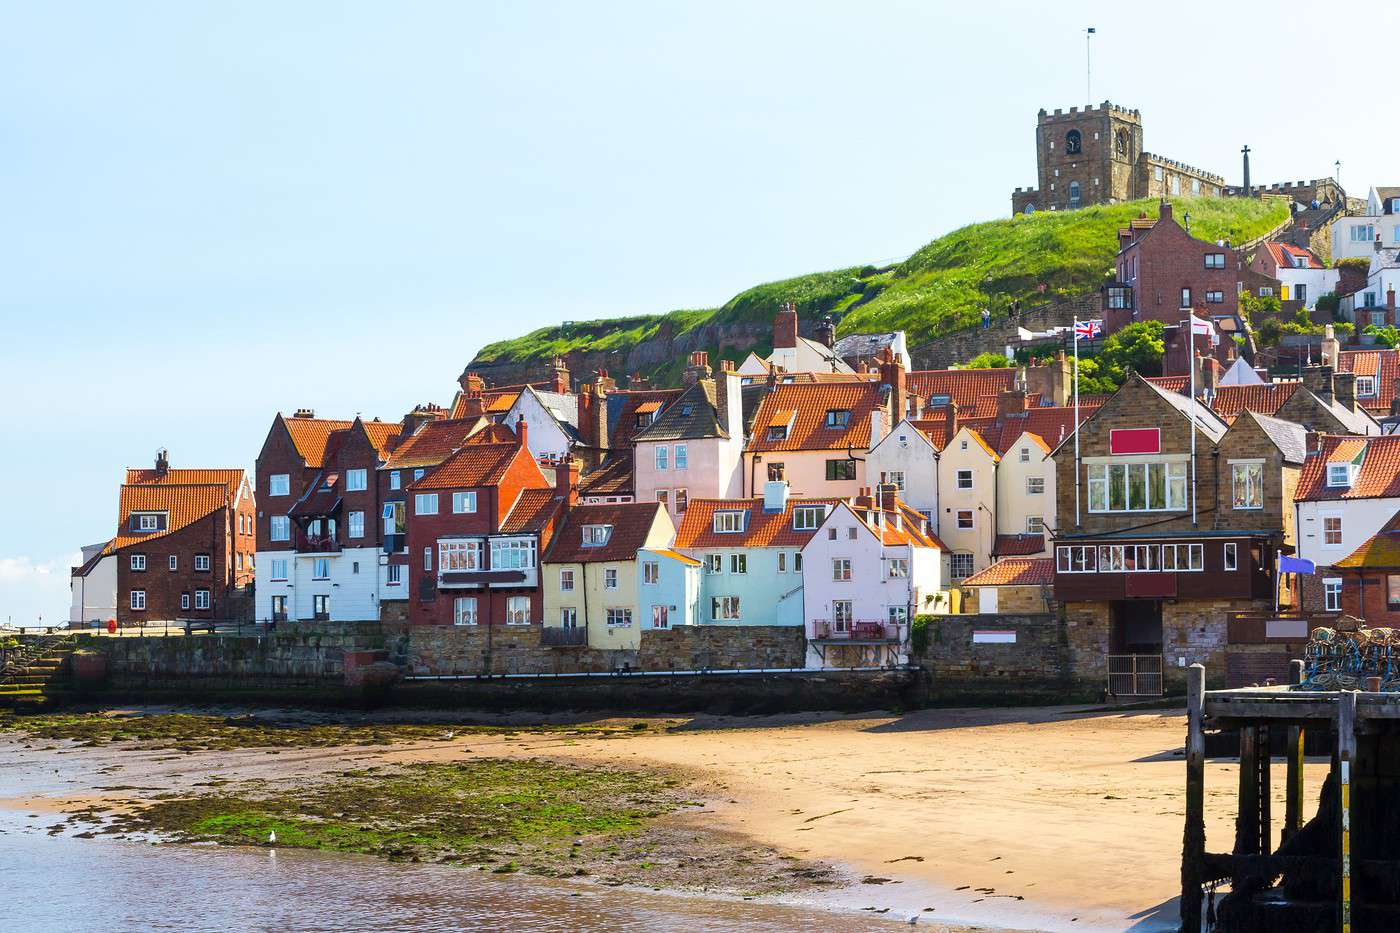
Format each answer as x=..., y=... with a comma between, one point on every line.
x=1077, y=113
x=1153, y=159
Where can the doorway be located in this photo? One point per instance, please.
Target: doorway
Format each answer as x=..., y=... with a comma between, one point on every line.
x=1135, y=647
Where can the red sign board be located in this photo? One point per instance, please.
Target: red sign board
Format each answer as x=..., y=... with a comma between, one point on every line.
x=1135, y=441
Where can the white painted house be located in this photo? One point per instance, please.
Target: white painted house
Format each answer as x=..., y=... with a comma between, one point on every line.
x=553, y=420
x=1346, y=492
x=907, y=459
x=94, y=585
x=1357, y=236
x=871, y=567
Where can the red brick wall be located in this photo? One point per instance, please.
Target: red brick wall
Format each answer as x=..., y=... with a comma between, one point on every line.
x=1167, y=261
x=1364, y=596
x=278, y=455
x=215, y=535
x=357, y=453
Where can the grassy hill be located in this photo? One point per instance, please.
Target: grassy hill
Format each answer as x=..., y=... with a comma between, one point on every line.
x=940, y=288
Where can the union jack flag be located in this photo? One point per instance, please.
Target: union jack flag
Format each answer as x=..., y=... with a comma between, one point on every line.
x=1087, y=330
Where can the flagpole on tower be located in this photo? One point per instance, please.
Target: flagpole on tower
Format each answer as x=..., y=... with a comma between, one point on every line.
x=1088, y=67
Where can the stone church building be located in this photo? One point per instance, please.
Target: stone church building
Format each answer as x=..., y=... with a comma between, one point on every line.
x=1095, y=156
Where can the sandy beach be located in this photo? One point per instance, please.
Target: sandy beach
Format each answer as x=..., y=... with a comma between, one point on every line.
x=1032, y=819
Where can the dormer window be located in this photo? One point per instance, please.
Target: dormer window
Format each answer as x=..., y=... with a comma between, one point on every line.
x=838, y=417
x=730, y=521
x=148, y=522
x=1338, y=474
x=1366, y=385
x=777, y=432
x=687, y=410
x=596, y=535
x=643, y=420
x=937, y=401
x=807, y=517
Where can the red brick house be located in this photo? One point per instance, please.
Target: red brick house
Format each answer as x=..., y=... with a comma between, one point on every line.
x=185, y=544
x=477, y=524
x=1370, y=577
x=1163, y=273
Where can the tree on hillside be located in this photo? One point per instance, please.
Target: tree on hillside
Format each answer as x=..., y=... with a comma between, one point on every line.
x=988, y=360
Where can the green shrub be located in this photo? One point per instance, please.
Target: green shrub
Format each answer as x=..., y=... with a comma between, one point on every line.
x=919, y=632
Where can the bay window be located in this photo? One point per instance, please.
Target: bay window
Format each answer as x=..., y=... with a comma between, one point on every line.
x=459, y=555
x=513, y=554
x=1137, y=486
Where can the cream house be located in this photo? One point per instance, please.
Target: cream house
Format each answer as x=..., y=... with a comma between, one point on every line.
x=591, y=576
x=966, y=521
x=1025, y=491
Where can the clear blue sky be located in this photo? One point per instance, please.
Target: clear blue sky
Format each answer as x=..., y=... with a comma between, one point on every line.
x=216, y=211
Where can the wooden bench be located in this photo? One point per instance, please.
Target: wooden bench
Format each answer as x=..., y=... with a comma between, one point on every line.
x=207, y=625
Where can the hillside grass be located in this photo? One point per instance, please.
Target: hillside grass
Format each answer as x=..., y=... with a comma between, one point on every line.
x=941, y=288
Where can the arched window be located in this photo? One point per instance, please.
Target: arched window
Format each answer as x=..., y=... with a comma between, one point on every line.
x=1073, y=142
x=1122, y=142
x=1074, y=194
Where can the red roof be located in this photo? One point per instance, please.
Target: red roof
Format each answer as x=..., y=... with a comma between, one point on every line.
x=1050, y=425
x=437, y=440
x=613, y=477
x=184, y=505
x=1015, y=571
x=473, y=465
x=533, y=512
x=1011, y=545
x=810, y=402
x=1377, y=476
x=898, y=525
x=761, y=529
x=631, y=523
x=1283, y=255
x=314, y=438
x=963, y=386
x=139, y=476
x=1231, y=400
x=1384, y=365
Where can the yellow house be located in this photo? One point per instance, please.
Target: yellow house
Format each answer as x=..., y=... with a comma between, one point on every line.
x=590, y=573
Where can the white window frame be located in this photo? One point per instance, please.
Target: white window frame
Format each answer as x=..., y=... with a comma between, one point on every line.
x=184, y=600
x=1338, y=475
x=739, y=563
x=428, y=559
x=1254, y=491
x=201, y=599
x=725, y=609
x=513, y=553
x=971, y=515
x=1174, y=479
x=320, y=568
x=662, y=458
x=464, y=610
x=619, y=616
x=464, y=503
x=896, y=568
x=148, y=522
x=172, y=563
x=1332, y=594
x=393, y=575
x=279, y=484
x=566, y=580
x=807, y=517
x=596, y=535
x=355, y=524
x=1035, y=485
x=568, y=617
x=458, y=555
x=425, y=503
x=609, y=578
x=963, y=479
x=660, y=616
x=202, y=563
x=714, y=563
x=395, y=479
x=279, y=528
x=730, y=521
x=1366, y=385
x=137, y=562
x=959, y=560
x=651, y=572
x=518, y=610
x=1341, y=529
x=841, y=570
x=278, y=570
x=137, y=600
x=1230, y=556
x=356, y=480
x=1078, y=558
x=681, y=459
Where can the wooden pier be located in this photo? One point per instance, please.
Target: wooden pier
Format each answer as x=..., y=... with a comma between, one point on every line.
x=1307, y=883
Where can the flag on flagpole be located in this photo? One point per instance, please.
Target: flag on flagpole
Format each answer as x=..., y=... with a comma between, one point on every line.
x=1201, y=327
x=1087, y=330
x=1295, y=565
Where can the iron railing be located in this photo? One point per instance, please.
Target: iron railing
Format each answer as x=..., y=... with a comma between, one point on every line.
x=1135, y=675
x=866, y=630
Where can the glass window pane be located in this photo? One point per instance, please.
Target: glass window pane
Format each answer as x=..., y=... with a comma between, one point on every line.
x=1157, y=486
x=1117, y=487
x=1137, y=487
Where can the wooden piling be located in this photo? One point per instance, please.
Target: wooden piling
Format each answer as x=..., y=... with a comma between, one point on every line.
x=1346, y=754
x=1194, y=842
x=1247, y=820
x=1293, y=788
x=1266, y=836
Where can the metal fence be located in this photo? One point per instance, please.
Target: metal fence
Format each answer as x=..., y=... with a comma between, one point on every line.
x=1135, y=675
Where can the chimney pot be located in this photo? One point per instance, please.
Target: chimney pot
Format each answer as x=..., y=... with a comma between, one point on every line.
x=162, y=462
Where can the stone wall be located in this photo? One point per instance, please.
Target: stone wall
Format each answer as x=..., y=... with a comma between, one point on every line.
x=960, y=346
x=714, y=647
x=1037, y=667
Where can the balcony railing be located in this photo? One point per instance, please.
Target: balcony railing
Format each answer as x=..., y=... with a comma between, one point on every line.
x=317, y=544
x=868, y=631
x=555, y=637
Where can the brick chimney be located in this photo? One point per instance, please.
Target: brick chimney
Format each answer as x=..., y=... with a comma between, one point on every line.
x=726, y=366
x=825, y=332
x=1344, y=388
x=1053, y=380
x=729, y=400
x=1164, y=210
x=1011, y=402
x=1331, y=348
x=603, y=383
x=472, y=384
x=559, y=380
x=1319, y=381
x=162, y=462
x=1312, y=443
x=421, y=415
x=888, y=493
x=566, y=480
x=785, y=327
x=1390, y=298
x=1209, y=380
x=593, y=416
x=634, y=380
x=522, y=431
x=950, y=413
x=697, y=368
x=892, y=374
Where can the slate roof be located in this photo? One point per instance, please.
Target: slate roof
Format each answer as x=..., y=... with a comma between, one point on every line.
x=185, y=504
x=1012, y=545
x=1289, y=437
x=674, y=424
x=613, y=477
x=473, y=465
x=811, y=402
x=864, y=344
x=631, y=523
x=1015, y=571
x=1381, y=551
x=962, y=386
x=1377, y=477
x=1210, y=423
x=763, y=529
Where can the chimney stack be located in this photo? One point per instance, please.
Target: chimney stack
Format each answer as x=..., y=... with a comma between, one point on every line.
x=775, y=496
x=950, y=412
x=729, y=399
x=892, y=374
x=1011, y=402
x=566, y=480
x=162, y=462
x=304, y=413
x=1344, y=389
x=698, y=368
x=785, y=327
x=1390, y=299
x=825, y=332
x=472, y=384
x=877, y=427
x=522, y=431
x=1319, y=381
x=1331, y=348
x=593, y=416
x=559, y=380
x=888, y=493
x=1164, y=211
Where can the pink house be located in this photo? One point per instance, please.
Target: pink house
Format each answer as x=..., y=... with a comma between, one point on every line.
x=872, y=566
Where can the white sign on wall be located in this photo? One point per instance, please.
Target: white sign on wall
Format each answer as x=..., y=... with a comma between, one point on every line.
x=994, y=637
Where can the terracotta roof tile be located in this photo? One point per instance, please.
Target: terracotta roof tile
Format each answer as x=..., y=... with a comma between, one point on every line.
x=962, y=386
x=314, y=438
x=1378, y=476
x=675, y=555
x=613, y=477
x=762, y=529
x=1014, y=545
x=631, y=523
x=1384, y=365
x=1381, y=551
x=533, y=512
x=435, y=441
x=910, y=528
x=1015, y=571
x=382, y=434
x=232, y=479
x=473, y=465
x=811, y=402
x=184, y=504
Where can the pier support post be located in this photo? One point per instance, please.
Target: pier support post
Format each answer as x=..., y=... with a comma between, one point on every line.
x=1247, y=821
x=1293, y=791
x=1194, y=842
x=1263, y=736
x=1346, y=754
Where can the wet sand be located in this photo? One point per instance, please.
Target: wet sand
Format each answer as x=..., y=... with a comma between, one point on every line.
x=1035, y=819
